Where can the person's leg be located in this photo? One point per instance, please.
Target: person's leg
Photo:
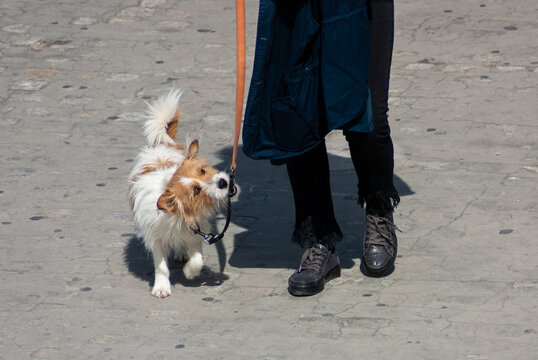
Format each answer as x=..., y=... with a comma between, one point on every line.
x=373, y=154
x=309, y=177
x=315, y=225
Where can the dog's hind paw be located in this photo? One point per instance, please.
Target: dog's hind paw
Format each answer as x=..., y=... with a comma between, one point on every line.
x=183, y=258
x=161, y=291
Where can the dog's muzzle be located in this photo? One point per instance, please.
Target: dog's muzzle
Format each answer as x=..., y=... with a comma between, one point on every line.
x=232, y=191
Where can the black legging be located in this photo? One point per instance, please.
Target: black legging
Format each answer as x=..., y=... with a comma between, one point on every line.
x=372, y=153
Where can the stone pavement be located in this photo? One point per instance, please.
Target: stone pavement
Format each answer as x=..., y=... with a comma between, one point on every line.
x=75, y=282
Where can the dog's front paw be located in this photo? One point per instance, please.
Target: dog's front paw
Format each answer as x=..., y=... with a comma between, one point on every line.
x=162, y=290
x=193, y=266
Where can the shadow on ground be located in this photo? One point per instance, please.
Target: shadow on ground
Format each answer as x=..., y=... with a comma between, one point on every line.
x=140, y=263
x=264, y=211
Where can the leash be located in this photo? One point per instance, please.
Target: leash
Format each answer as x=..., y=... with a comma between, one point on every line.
x=210, y=238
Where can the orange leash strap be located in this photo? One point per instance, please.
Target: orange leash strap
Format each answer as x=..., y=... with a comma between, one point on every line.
x=210, y=238
x=240, y=82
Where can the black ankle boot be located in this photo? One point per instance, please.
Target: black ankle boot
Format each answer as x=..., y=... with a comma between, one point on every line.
x=318, y=266
x=380, y=244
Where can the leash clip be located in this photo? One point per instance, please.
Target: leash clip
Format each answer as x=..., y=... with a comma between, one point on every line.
x=209, y=238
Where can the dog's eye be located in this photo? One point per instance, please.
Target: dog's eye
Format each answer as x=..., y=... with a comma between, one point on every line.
x=197, y=190
x=202, y=170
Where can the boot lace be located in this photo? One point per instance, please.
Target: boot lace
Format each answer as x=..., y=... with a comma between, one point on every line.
x=313, y=259
x=381, y=230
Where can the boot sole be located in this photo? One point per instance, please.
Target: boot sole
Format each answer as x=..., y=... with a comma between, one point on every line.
x=312, y=289
x=382, y=271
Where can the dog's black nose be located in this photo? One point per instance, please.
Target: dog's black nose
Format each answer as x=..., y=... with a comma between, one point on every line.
x=222, y=184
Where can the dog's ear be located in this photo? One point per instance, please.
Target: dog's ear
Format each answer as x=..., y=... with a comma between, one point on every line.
x=166, y=202
x=193, y=149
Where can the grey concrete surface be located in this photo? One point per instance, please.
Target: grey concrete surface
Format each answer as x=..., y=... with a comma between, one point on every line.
x=75, y=282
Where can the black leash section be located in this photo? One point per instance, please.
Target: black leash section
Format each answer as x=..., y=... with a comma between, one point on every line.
x=212, y=238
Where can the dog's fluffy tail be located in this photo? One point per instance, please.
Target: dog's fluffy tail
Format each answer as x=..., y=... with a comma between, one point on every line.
x=162, y=119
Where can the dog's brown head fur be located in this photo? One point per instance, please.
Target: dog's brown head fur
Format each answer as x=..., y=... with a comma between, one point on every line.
x=195, y=189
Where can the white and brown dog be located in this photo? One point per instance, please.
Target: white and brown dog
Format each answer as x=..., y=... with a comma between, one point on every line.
x=172, y=192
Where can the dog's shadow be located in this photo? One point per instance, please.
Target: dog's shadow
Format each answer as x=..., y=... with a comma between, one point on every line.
x=140, y=263
x=263, y=220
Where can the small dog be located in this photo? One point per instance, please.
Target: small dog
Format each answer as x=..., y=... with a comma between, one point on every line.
x=172, y=192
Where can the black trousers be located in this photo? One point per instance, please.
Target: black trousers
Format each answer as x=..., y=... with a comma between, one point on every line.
x=372, y=153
